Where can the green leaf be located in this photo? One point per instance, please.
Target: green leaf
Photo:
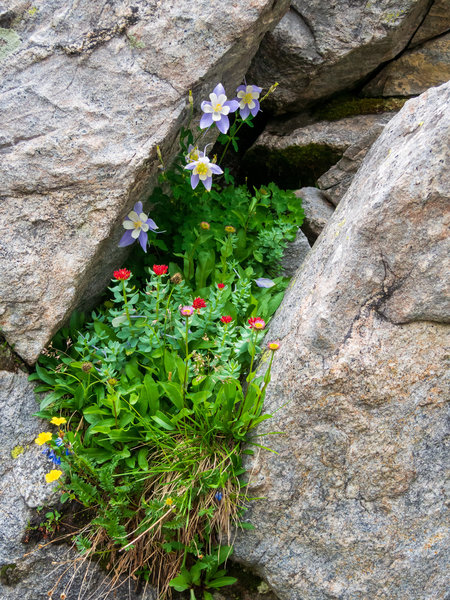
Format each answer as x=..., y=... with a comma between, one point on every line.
x=118, y=320
x=45, y=375
x=173, y=392
x=163, y=421
x=142, y=459
x=221, y=582
x=102, y=328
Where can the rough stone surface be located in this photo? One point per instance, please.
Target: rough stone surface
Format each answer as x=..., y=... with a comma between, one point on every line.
x=318, y=211
x=295, y=254
x=435, y=23
x=414, y=71
x=86, y=96
x=320, y=48
x=295, y=154
x=337, y=135
x=337, y=180
x=353, y=506
x=26, y=571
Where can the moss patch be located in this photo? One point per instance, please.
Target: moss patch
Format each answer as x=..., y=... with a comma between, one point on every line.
x=17, y=451
x=349, y=106
x=9, y=41
x=9, y=575
x=290, y=168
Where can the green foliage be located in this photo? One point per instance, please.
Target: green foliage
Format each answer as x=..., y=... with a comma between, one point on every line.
x=205, y=575
x=160, y=401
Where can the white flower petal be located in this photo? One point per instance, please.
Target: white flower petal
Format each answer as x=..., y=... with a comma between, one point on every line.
x=143, y=217
x=128, y=224
x=207, y=108
x=221, y=99
x=241, y=94
x=144, y=227
x=135, y=233
x=225, y=110
x=251, y=104
x=216, y=116
x=133, y=216
x=213, y=98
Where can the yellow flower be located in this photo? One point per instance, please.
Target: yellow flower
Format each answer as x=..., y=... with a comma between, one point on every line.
x=230, y=229
x=53, y=475
x=273, y=346
x=169, y=501
x=58, y=421
x=43, y=438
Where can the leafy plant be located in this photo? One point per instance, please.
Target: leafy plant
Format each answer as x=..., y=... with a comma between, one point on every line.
x=158, y=387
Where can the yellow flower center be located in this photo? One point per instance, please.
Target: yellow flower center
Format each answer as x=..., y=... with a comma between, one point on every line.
x=247, y=98
x=258, y=325
x=137, y=224
x=201, y=169
x=217, y=107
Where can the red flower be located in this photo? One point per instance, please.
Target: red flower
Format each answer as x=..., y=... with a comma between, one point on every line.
x=220, y=286
x=122, y=274
x=256, y=323
x=160, y=269
x=199, y=303
x=226, y=319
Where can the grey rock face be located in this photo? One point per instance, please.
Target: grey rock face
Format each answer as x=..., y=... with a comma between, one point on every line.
x=337, y=180
x=414, y=71
x=354, y=504
x=318, y=211
x=87, y=95
x=295, y=254
x=320, y=48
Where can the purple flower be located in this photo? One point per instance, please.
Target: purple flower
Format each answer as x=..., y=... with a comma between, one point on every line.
x=263, y=282
x=137, y=223
x=218, y=496
x=217, y=110
x=193, y=153
x=202, y=170
x=247, y=97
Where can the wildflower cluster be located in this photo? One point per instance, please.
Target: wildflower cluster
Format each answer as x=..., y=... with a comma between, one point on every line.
x=152, y=384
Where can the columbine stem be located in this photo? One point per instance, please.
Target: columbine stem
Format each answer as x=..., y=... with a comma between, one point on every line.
x=186, y=361
x=125, y=301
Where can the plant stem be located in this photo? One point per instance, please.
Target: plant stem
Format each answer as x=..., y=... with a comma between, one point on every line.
x=186, y=361
x=125, y=301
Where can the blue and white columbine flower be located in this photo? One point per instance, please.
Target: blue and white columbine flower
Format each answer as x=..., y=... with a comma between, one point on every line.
x=137, y=223
x=193, y=154
x=217, y=110
x=202, y=170
x=247, y=96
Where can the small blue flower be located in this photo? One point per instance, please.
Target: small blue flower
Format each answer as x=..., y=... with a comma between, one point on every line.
x=218, y=496
x=217, y=110
x=247, y=96
x=202, y=170
x=59, y=441
x=137, y=224
x=264, y=282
